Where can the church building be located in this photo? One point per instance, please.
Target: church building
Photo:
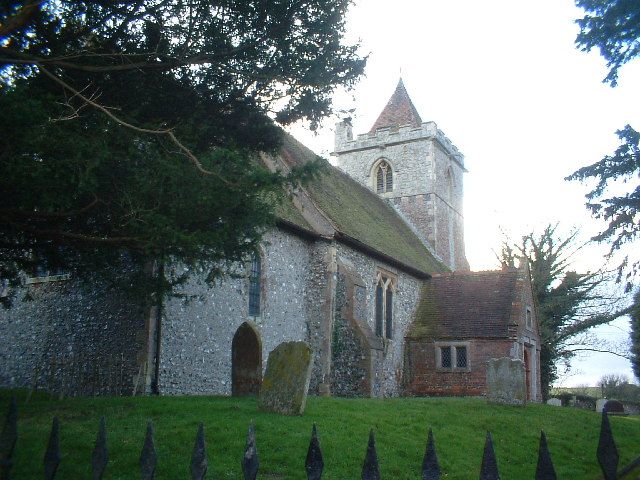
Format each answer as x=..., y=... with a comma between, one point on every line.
x=366, y=264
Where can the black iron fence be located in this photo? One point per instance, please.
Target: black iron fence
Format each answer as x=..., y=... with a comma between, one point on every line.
x=607, y=455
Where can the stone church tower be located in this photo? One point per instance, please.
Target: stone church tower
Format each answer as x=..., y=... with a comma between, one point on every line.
x=416, y=167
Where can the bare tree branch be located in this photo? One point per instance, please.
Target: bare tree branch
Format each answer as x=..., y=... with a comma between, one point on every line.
x=597, y=350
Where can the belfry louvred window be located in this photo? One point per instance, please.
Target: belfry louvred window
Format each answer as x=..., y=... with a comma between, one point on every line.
x=384, y=178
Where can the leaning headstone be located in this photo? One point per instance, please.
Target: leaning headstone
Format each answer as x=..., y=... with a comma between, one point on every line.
x=506, y=381
x=556, y=402
x=600, y=403
x=286, y=381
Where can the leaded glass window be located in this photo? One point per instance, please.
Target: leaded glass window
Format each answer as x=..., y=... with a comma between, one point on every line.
x=384, y=305
x=461, y=357
x=384, y=178
x=255, y=285
x=389, y=313
x=379, y=309
x=445, y=357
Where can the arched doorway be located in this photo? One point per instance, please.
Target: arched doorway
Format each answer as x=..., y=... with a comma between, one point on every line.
x=246, y=361
x=527, y=372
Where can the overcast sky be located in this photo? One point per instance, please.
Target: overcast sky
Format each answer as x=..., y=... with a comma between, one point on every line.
x=505, y=83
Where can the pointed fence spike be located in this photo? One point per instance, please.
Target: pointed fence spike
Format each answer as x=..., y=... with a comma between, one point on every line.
x=489, y=469
x=430, y=466
x=52, y=455
x=100, y=456
x=314, y=463
x=250, y=461
x=8, y=438
x=607, y=451
x=544, y=469
x=148, y=457
x=370, y=468
x=199, y=456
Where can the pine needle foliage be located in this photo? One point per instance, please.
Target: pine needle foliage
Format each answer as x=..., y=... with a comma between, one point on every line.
x=132, y=130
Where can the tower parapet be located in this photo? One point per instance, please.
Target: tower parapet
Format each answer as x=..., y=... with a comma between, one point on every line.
x=416, y=168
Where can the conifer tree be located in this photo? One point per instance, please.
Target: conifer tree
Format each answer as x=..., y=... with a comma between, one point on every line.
x=613, y=27
x=131, y=129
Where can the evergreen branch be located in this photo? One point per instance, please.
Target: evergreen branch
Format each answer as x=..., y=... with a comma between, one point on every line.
x=20, y=18
x=23, y=213
x=163, y=132
x=168, y=63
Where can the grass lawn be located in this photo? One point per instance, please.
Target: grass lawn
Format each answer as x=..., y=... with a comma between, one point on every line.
x=459, y=426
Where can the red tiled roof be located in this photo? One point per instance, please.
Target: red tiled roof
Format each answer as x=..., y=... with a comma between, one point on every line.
x=466, y=305
x=399, y=111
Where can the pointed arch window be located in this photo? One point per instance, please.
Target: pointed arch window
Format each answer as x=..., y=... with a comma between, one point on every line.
x=255, y=285
x=384, y=177
x=384, y=306
x=449, y=185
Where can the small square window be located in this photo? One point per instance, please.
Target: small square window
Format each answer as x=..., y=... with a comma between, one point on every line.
x=445, y=357
x=452, y=356
x=461, y=357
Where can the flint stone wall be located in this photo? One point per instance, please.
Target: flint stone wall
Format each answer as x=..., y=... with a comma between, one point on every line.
x=387, y=363
x=81, y=326
x=197, y=335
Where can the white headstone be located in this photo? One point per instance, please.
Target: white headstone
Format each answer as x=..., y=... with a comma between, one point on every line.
x=556, y=402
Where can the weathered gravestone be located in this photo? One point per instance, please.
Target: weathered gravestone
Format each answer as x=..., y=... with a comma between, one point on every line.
x=556, y=402
x=286, y=381
x=506, y=381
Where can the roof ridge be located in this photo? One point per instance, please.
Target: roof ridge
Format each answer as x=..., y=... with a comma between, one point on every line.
x=466, y=273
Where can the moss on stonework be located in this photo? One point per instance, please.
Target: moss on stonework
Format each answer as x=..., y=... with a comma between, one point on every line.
x=425, y=323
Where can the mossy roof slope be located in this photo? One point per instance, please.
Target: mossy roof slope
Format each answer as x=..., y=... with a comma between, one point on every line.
x=286, y=210
x=360, y=214
x=465, y=305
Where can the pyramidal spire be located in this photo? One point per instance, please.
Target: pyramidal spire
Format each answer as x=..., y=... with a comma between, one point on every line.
x=399, y=111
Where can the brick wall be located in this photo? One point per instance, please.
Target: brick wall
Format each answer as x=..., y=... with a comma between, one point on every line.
x=423, y=378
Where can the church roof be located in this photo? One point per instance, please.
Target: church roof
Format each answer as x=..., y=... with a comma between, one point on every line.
x=399, y=111
x=360, y=217
x=466, y=305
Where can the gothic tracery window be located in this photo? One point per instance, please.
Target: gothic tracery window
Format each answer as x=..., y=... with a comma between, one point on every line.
x=384, y=177
x=384, y=306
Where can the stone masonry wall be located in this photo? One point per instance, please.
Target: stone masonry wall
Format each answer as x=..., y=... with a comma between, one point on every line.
x=387, y=368
x=420, y=159
x=81, y=338
x=350, y=353
x=447, y=207
x=197, y=335
x=423, y=379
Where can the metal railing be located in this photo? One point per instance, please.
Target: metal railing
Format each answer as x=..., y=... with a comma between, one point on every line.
x=607, y=455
